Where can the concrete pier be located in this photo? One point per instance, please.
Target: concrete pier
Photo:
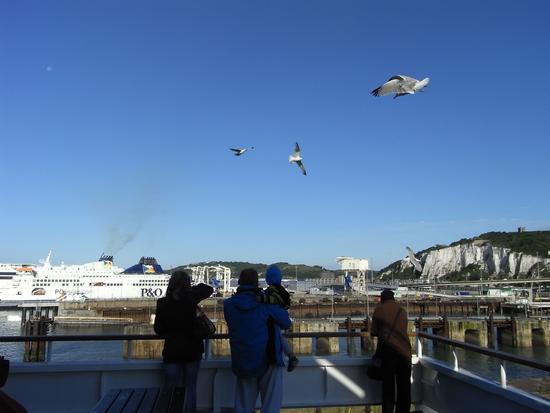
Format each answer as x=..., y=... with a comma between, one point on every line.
x=142, y=349
x=467, y=330
x=540, y=330
x=527, y=332
x=323, y=345
x=300, y=346
x=485, y=327
x=220, y=348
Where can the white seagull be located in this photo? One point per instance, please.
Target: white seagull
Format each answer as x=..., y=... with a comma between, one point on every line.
x=401, y=86
x=296, y=158
x=240, y=151
x=413, y=260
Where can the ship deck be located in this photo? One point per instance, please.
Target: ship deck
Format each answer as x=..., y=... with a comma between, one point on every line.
x=76, y=387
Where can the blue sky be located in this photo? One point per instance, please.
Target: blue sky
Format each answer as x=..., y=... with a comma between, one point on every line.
x=116, y=118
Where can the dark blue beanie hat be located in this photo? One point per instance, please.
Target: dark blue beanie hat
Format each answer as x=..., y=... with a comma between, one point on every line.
x=273, y=275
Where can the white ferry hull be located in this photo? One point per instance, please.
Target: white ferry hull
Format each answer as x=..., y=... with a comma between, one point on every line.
x=96, y=280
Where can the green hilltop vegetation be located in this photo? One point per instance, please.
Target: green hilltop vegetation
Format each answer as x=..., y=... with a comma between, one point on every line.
x=527, y=242
x=289, y=270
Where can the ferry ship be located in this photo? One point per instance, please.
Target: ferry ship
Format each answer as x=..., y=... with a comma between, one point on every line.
x=95, y=280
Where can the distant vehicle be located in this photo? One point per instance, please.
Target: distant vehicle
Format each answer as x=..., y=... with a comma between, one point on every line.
x=462, y=293
x=512, y=295
x=319, y=291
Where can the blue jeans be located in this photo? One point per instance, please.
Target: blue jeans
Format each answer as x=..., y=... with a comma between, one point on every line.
x=184, y=375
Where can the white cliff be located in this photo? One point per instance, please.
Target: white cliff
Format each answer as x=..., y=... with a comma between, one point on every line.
x=492, y=260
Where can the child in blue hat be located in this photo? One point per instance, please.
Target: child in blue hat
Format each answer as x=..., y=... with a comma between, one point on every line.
x=275, y=293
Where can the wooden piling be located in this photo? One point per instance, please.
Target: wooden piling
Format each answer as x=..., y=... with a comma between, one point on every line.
x=35, y=350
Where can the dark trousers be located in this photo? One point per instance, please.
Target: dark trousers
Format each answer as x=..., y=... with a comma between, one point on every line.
x=184, y=374
x=396, y=369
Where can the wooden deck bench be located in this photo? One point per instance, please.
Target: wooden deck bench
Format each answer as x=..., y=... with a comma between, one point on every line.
x=142, y=400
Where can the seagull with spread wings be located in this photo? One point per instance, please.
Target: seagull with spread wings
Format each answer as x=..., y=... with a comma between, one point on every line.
x=401, y=86
x=296, y=158
x=240, y=151
x=413, y=260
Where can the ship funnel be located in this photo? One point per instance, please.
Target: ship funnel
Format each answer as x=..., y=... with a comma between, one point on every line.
x=106, y=258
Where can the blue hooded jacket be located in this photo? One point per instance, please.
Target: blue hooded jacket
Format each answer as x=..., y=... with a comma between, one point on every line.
x=247, y=322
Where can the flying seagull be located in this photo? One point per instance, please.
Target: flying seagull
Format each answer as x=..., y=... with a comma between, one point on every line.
x=401, y=86
x=413, y=260
x=296, y=158
x=240, y=151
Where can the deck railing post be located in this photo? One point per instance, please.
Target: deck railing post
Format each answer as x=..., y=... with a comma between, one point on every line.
x=503, y=373
x=456, y=359
x=49, y=351
x=130, y=348
x=348, y=338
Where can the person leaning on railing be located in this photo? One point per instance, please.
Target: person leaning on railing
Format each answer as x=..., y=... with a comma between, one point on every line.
x=252, y=326
x=175, y=321
x=389, y=324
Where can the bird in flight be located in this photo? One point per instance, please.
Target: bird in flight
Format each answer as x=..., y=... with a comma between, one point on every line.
x=413, y=260
x=296, y=158
x=401, y=86
x=240, y=151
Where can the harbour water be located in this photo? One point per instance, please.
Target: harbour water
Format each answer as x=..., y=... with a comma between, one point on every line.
x=112, y=350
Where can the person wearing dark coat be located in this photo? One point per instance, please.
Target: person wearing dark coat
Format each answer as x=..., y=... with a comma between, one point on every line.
x=174, y=322
x=389, y=324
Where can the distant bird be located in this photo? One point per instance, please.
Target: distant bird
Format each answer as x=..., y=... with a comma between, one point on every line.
x=296, y=158
x=414, y=261
x=401, y=86
x=240, y=151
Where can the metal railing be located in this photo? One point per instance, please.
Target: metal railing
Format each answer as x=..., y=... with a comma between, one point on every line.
x=454, y=344
x=115, y=337
x=134, y=337
x=502, y=356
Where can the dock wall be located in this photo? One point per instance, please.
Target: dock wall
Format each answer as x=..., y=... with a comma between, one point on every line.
x=308, y=315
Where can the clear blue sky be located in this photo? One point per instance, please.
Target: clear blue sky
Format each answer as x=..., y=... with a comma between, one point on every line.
x=116, y=118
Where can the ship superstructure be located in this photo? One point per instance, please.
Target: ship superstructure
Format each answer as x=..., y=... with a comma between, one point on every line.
x=94, y=280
